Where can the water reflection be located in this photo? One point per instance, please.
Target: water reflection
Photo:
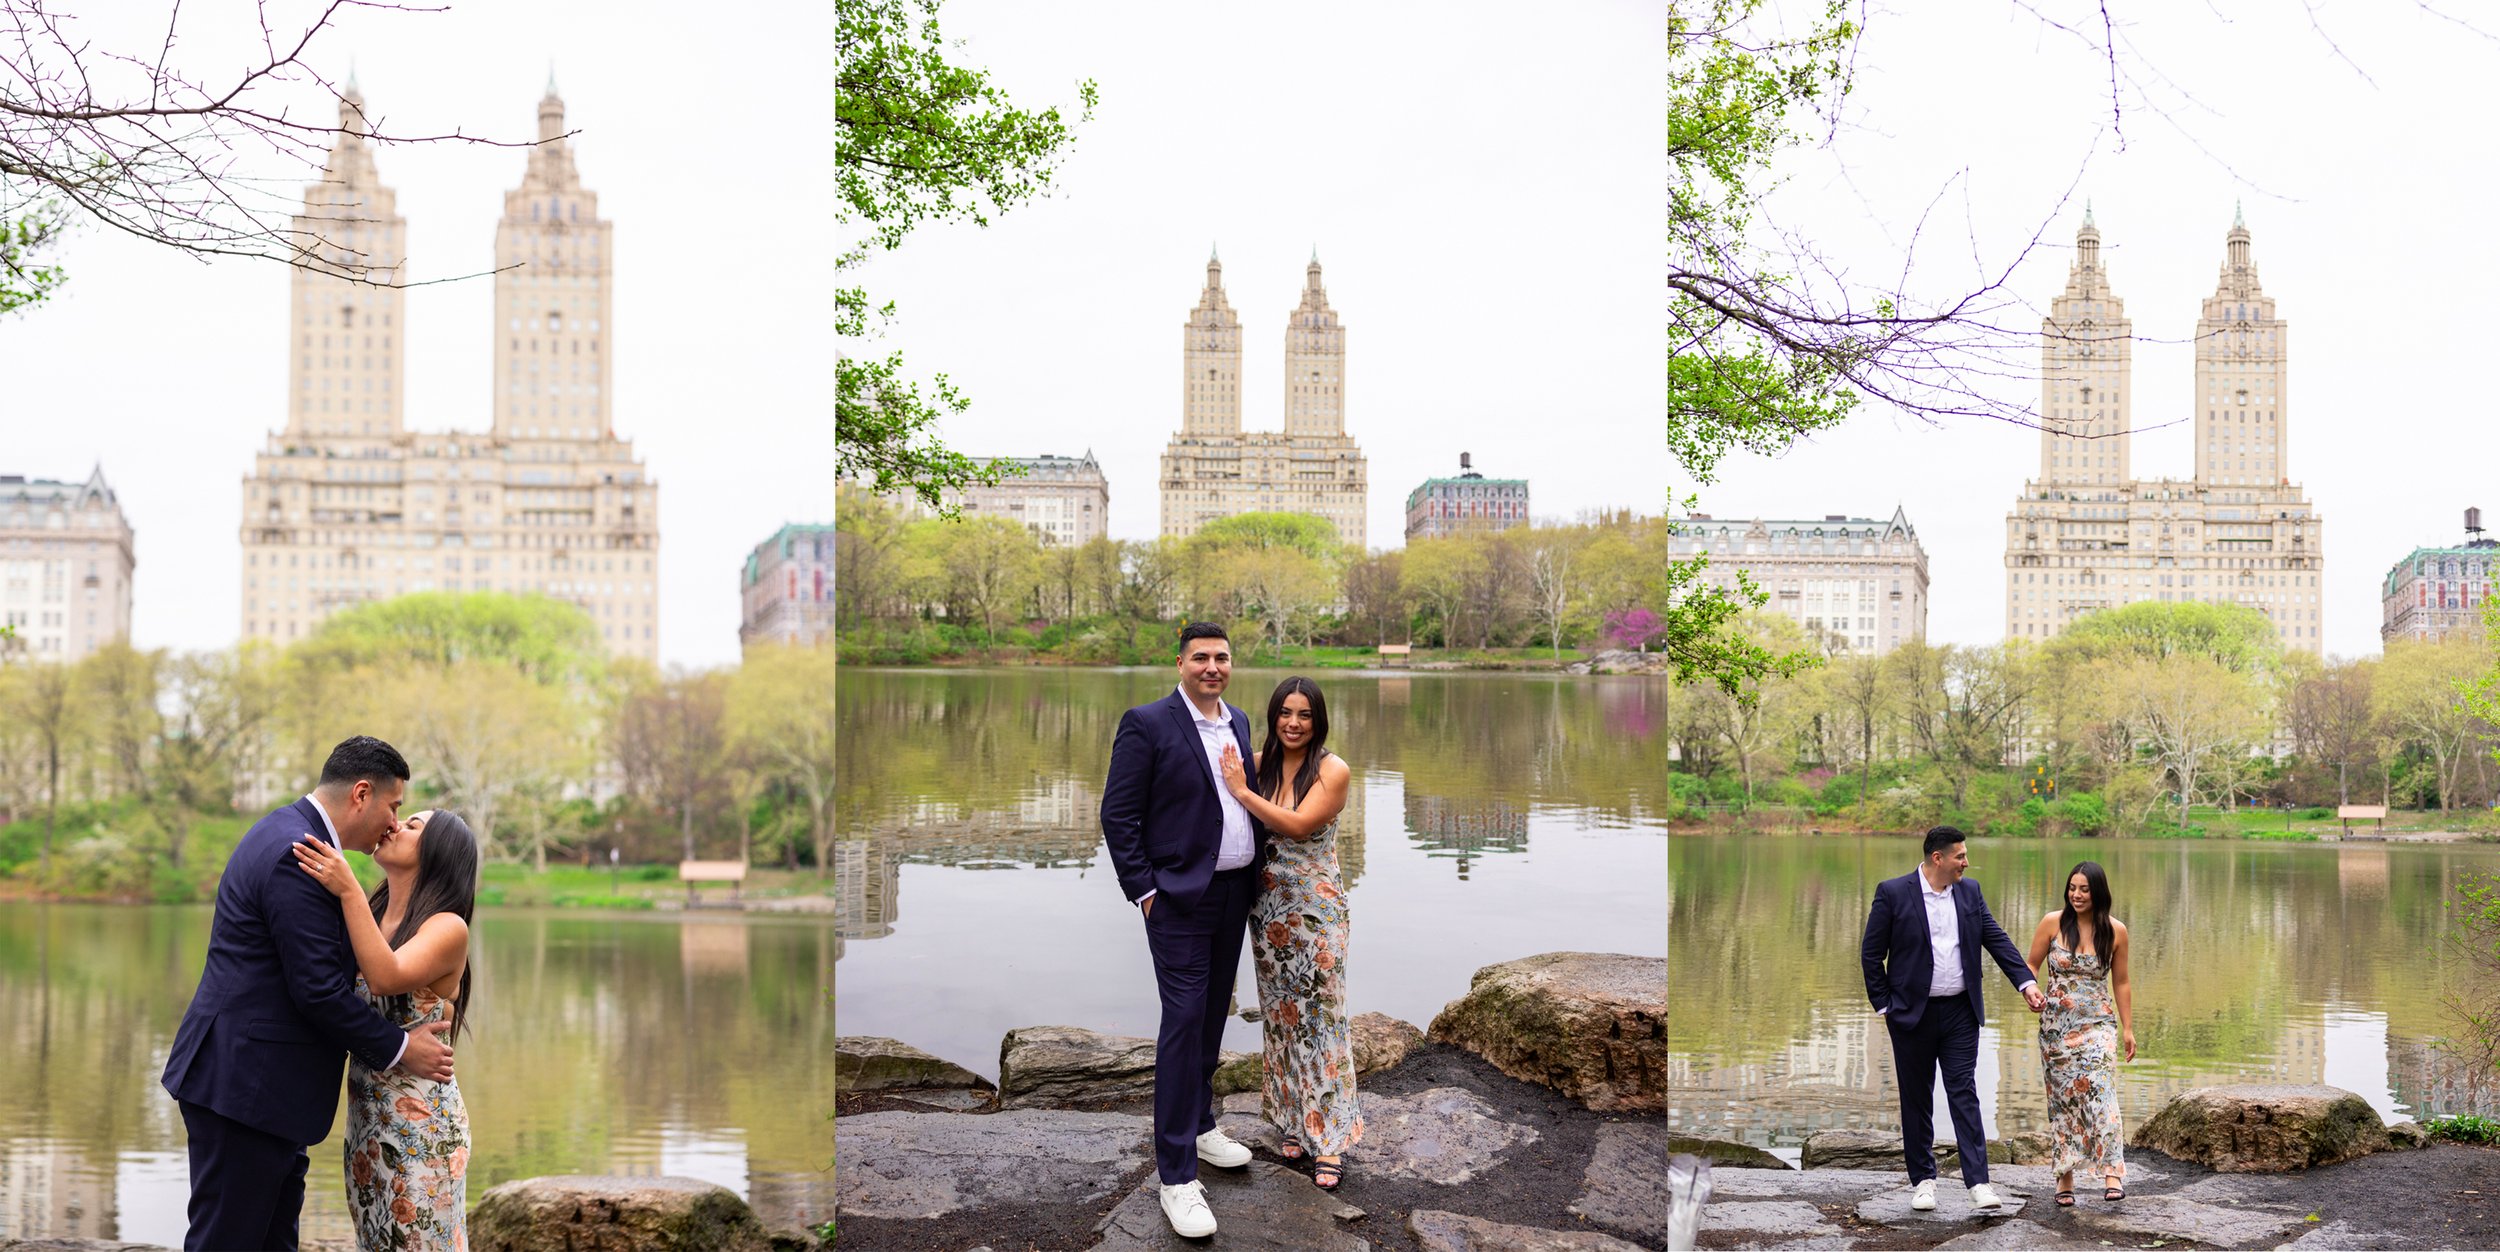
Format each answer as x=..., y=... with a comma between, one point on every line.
x=601, y=1044
x=2252, y=962
x=1560, y=781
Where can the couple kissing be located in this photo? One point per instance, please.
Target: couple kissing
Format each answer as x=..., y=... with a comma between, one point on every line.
x=1212, y=841
x=303, y=970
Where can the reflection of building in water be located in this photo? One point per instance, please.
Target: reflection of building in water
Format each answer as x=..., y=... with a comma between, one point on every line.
x=2361, y=870
x=1350, y=834
x=1055, y=826
x=865, y=883
x=46, y=1193
x=1446, y=826
x=2430, y=1083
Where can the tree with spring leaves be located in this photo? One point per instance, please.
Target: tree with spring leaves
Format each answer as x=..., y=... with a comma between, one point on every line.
x=921, y=140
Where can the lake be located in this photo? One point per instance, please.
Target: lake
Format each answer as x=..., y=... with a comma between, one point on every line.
x=600, y=1044
x=2252, y=961
x=1493, y=816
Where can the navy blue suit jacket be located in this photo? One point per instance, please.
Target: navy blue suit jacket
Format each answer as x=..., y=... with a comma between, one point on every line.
x=1161, y=817
x=265, y=1039
x=1900, y=955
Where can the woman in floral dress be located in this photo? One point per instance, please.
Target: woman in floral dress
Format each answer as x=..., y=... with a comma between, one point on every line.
x=2079, y=953
x=408, y=1137
x=1298, y=931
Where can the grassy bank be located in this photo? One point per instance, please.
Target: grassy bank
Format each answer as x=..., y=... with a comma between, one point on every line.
x=2204, y=822
x=1106, y=643
x=121, y=853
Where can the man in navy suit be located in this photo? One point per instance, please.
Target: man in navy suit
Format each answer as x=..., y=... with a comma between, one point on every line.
x=1187, y=855
x=1921, y=954
x=256, y=1063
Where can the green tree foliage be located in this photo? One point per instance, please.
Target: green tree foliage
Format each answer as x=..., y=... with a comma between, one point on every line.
x=921, y=141
x=780, y=716
x=2234, y=636
x=545, y=640
x=25, y=279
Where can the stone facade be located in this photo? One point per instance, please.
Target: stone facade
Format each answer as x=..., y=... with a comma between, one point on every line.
x=2088, y=535
x=1063, y=500
x=1855, y=584
x=786, y=589
x=2436, y=592
x=1471, y=501
x=1213, y=468
x=346, y=504
x=65, y=567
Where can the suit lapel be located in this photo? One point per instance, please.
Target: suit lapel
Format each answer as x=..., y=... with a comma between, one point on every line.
x=1188, y=718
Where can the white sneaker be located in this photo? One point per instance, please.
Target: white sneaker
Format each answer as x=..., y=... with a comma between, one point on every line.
x=1923, y=1196
x=1215, y=1148
x=1984, y=1196
x=1185, y=1206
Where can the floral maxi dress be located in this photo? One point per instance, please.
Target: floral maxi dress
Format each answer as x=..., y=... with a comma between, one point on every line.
x=2079, y=1060
x=407, y=1147
x=1298, y=945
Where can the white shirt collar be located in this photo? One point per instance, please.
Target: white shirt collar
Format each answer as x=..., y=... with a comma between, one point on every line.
x=332, y=830
x=1947, y=889
x=1223, y=712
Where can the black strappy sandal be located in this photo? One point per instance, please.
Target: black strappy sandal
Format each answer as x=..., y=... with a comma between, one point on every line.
x=1291, y=1150
x=2114, y=1193
x=2065, y=1199
x=1327, y=1174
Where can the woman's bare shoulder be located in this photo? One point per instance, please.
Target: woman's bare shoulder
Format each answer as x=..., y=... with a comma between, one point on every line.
x=1334, y=766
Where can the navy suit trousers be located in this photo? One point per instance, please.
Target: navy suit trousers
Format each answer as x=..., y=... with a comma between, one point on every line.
x=247, y=1186
x=1947, y=1035
x=1196, y=953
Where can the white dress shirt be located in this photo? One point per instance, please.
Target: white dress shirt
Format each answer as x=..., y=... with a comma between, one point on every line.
x=332, y=830
x=1944, y=939
x=1237, y=846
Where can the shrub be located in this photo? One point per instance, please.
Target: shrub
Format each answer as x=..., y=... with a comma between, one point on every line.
x=2083, y=812
x=2464, y=1128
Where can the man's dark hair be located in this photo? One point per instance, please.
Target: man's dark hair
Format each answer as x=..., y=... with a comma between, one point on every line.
x=1202, y=630
x=363, y=759
x=1942, y=839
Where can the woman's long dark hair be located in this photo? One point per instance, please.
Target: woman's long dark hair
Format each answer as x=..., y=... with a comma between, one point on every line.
x=2069, y=928
x=446, y=882
x=1272, y=757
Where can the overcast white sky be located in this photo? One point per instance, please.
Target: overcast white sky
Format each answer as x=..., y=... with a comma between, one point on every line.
x=2369, y=194
x=708, y=136
x=1484, y=184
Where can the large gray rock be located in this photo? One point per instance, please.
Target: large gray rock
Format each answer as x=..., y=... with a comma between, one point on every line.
x=876, y=1063
x=1263, y=1206
x=1443, y=1135
x=1892, y=1208
x=2264, y=1127
x=1591, y=1025
x=2408, y=1134
x=1440, y=1231
x=565, y=1212
x=1625, y=1184
x=1064, y=1066
x=1381, y=1041
x=1724, y=1154
x=2017, y=1235
x=2141, y=1217
x=1784, y=1218
x=915, y=1165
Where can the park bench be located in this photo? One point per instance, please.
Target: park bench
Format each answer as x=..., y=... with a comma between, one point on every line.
x=2350, y=813
x=693, y=872
x=1396, y=649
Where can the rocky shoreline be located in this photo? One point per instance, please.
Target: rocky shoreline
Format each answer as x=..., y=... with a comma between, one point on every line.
x=1530, y=1116
x=2260, y=1166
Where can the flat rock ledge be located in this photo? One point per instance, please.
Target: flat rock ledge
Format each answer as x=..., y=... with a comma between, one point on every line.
x=1442, y=1135
x=925, y=1165
x=1881, y=1149
x=1591, y=1025
x=1440, y=1231
x=1068, y=1066
x=2264, y=1127
x=1262, y=1206
x=564, y=1212
x=1724, y=1154
x=876, y=1063
x=1625, y=1184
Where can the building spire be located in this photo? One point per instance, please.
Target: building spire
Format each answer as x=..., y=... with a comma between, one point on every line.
x=351, y=73
x=2087, y=210
x=551, y=78
x=1314, y=254
x=2239, y=220
x=1212, y=259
